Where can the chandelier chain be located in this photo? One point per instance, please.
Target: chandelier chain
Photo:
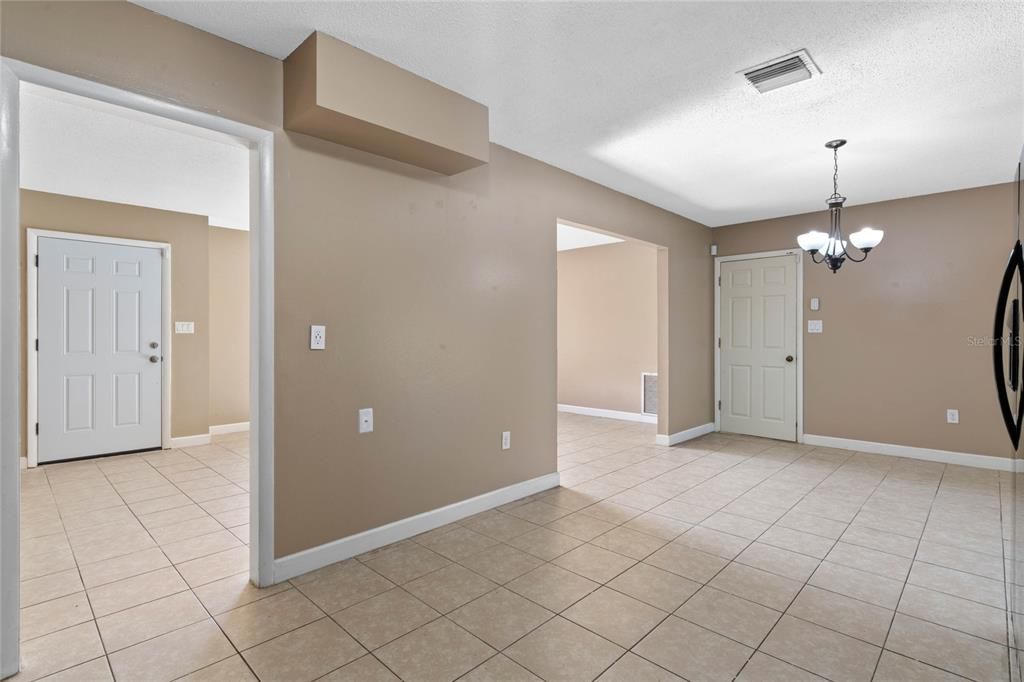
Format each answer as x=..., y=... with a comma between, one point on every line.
x=835, y=173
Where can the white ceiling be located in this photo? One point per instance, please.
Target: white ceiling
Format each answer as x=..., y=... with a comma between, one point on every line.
x=569, y=238
x=644, y=96
x=80, y=147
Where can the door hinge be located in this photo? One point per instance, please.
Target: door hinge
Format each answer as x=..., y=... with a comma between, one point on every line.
x=37, y=260
x=719, y=404
x=37, y=428
x=719, y=280
x=37, y=345
x=719, y=341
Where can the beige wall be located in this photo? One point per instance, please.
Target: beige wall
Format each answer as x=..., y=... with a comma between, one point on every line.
x=229, y=326
x=607, y=324
x=438, y=292
x=895, y=352
x=187, y=235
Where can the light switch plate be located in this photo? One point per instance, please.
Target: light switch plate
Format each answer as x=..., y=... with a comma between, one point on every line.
x=317, y=337
x=815, y=303
x=952, y=416
x=366, y=420
x=184, y=327
x=814, y=326
x=506, y=440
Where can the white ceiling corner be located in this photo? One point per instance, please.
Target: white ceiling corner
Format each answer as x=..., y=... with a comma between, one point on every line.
x=569, y=237
x=644, y=97
x=81, y=147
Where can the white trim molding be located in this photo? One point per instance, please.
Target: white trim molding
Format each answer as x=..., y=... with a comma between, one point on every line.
x=928, y=454
x=799, y=331
x=683, y=436
x=332, y=552
x=221, y=429
x=189, y=441
x=609, y=414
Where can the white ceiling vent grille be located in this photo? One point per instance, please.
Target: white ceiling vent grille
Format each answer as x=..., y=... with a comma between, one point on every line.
x=786, y=70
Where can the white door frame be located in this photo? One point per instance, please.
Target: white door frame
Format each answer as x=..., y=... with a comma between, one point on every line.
x=799, y=331
x=261, y=366
x=32, y=236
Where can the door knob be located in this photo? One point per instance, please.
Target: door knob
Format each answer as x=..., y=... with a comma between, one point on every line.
x=154, y=358
x=789, y=358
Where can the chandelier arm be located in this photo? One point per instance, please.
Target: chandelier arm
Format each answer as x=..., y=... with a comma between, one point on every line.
x=815, y=259
x=862, y=258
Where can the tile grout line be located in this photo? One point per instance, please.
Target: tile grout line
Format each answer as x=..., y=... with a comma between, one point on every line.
x=896, y=610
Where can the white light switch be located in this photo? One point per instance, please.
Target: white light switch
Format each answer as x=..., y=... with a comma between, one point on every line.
x=317, y=337
x=506, y=440
x=184, y=327
x=813, y=326
x=366, y=420
x=815, y=304
x=952, y=416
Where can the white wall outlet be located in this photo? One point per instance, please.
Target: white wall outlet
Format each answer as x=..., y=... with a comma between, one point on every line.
x=952, y=416
x=814, y=326
x=815, y=303
x=366, y=420
x=184, y=327
x=317, y=337
x=506, y=440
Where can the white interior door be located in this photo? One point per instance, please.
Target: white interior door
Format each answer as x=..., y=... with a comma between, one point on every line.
x=757, y=322
x=99, y=312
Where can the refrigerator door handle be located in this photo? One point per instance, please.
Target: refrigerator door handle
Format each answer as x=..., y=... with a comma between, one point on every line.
x=1013, y=421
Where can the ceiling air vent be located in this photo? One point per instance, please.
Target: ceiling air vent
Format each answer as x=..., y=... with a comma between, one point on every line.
x=786, y=70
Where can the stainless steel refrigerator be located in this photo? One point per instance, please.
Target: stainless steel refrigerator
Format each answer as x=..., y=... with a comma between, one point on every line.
x=1006, y=347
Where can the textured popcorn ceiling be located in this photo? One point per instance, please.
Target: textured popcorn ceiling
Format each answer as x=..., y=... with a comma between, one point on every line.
x=645, y=98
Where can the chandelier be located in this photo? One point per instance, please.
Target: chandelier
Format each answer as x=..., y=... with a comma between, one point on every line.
x=830, y=248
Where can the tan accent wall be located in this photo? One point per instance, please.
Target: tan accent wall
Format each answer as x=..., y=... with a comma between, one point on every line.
x=438, y=292
x=229, y=326
x=187, y=235
x=607, y=324
x=896, y=351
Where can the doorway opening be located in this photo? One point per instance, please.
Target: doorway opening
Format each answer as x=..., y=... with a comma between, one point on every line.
x=759, y=345
x=143, y=339
x=607, y=338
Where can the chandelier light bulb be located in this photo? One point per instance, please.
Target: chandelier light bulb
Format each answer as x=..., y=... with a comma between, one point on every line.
x=834, y=248
x=812, y=241
x=866, y=238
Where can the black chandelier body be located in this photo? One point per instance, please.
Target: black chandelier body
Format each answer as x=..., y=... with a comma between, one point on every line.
x=830, y=248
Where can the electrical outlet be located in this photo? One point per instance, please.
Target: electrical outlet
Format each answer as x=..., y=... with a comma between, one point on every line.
x=506, y=440
x=366, y=420
x=317, y=337
x=952, y=416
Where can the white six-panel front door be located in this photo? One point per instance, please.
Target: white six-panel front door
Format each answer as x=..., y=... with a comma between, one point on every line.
x=757, y=322
x=99, y=311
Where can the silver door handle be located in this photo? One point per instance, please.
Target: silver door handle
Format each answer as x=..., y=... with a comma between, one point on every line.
x=154, y=358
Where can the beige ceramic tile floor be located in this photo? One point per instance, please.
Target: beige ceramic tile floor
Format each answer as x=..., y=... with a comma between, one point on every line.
x=723, y=558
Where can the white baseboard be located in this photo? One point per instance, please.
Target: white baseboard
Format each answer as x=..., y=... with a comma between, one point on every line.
x=354, y=545
x=221, y=429
x=189, y=441
x=945, y=456
x=683, y=436
x=609, y=414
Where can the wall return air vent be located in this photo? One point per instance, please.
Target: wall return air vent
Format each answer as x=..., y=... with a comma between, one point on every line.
x=785, y=70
